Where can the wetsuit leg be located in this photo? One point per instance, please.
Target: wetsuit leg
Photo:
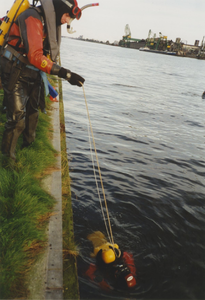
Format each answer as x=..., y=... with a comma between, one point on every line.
x=22, y=108
x=16, y=103
x=32, y=113
x=4, y=105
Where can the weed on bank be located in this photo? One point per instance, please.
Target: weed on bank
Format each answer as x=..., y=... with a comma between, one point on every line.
x=24, y=207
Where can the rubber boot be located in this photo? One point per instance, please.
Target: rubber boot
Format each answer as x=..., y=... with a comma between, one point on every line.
x=10, y=139
x=6, y=143
x=29, y=133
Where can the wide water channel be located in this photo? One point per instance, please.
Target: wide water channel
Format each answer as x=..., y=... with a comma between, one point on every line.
x=148, y=119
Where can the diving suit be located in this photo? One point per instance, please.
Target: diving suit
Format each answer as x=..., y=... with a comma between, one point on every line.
x=119, y=274
x=24, y=58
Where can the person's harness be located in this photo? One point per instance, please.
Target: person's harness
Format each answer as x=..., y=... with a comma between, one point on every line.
x=11, y=54
x=18, y=63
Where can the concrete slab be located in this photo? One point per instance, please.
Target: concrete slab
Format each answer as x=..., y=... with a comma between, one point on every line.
x=45, y=280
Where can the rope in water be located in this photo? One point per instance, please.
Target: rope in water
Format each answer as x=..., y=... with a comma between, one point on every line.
x=109, y=232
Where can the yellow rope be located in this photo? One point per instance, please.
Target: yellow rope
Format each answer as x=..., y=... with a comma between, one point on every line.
x=110, y=235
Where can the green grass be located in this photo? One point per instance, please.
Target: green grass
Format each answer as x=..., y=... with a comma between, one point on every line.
x=24, y=208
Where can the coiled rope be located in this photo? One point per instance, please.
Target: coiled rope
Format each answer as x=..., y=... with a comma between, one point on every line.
x=107, y=226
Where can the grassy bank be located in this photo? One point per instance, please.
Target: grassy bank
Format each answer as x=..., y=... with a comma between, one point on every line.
x=24, y=208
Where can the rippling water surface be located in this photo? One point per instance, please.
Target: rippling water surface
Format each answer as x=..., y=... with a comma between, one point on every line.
x=148, y=119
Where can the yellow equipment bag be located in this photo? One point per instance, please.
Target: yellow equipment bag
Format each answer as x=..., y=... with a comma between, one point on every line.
x=18, y=7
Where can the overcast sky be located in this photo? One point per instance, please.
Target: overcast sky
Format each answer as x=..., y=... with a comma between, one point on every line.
x=173, y=18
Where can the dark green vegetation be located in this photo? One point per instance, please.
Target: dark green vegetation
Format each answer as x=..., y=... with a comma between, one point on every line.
x=24, y=207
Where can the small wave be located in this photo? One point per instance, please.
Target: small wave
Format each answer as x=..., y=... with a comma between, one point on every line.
x=192, y=123
x=126, y=85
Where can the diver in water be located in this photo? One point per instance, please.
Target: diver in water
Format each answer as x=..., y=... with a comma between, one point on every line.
x=33, y=37
x=114, y=268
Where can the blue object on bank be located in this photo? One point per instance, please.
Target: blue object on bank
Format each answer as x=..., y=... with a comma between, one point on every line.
x=52, y=92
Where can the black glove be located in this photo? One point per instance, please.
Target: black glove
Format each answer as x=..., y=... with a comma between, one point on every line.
x=71, y=77
x=76, y=79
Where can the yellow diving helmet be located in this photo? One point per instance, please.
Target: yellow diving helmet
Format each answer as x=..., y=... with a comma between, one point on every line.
x=108, y=256
x=107, y=251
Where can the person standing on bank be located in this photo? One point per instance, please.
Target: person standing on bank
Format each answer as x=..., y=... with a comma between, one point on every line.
x=35, y=34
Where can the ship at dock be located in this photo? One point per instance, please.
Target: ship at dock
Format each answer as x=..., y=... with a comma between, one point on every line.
x=160, y=45
x=146, y=49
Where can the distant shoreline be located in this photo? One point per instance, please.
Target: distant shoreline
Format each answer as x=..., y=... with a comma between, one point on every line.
x=182, y=50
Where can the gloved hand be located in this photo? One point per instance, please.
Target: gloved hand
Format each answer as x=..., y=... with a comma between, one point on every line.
x=76, y=79
x=71, y=77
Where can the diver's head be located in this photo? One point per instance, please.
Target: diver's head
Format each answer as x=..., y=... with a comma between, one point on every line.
x=110, y=253
x=108, y=256
x=66, y=7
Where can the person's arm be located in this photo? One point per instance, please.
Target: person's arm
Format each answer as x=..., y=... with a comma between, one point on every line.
x=31, y=31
